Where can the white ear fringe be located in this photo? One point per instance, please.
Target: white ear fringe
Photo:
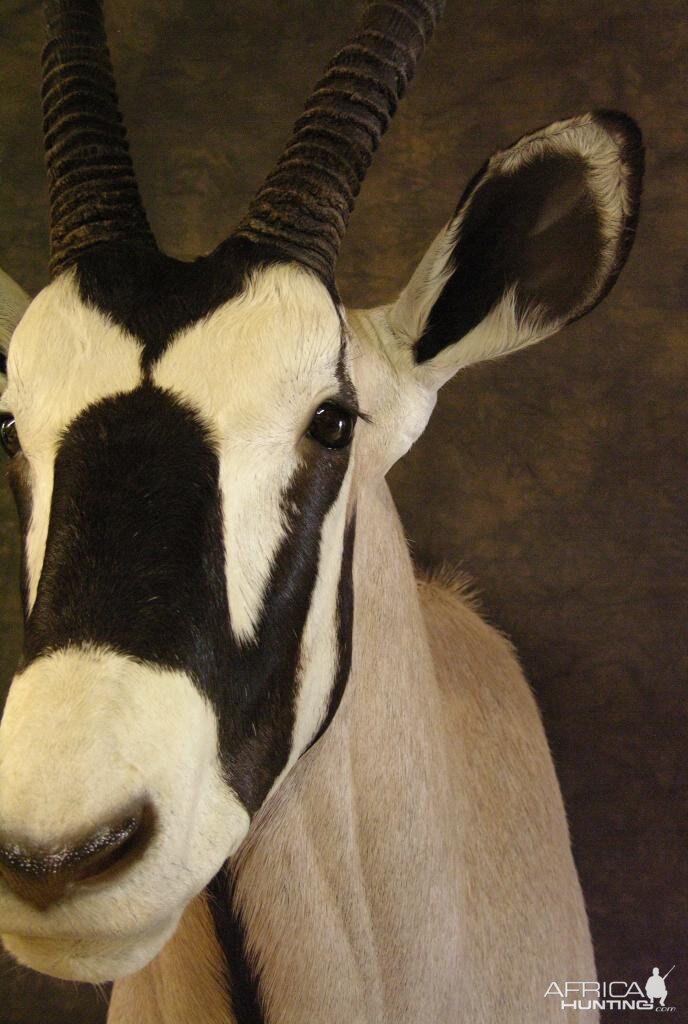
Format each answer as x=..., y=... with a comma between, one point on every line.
x=409, y=314
x=502, y=331
x=607, y=174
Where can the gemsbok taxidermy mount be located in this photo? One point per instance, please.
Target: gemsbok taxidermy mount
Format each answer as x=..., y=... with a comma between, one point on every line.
x=250, y=765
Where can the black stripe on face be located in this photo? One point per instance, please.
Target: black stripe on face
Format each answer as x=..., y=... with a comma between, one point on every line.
x=154, y=296
x=135, y=561
x=260, y=742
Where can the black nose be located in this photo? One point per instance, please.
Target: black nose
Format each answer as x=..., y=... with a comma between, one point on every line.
x=44, y=877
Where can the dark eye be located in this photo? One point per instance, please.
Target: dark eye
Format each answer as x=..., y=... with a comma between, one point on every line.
x=9, y=438
x=332, y=426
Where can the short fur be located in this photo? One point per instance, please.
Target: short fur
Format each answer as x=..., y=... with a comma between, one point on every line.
x=429, y=811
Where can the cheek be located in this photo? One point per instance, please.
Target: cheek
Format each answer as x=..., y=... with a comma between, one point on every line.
x=33, y=489
x=276, y=690
x=319, y=653
x=325, y=660
x=252, y=486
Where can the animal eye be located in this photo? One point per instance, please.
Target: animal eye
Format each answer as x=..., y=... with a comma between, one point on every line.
x=9, y=438
x=332, y=426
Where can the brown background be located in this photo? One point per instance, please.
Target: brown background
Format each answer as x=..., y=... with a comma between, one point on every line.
x=556, y=477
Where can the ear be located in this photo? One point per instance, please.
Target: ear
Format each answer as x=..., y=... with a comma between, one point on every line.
x=539, y=237
x=13, y=303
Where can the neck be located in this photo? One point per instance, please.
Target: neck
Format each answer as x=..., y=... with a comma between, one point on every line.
x=360, y=817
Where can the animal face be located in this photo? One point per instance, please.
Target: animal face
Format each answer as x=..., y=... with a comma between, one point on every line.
x=188, y=633
x=186, y=445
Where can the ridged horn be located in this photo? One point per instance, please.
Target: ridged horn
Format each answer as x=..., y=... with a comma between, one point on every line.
x=304, y=206
x=93, y=193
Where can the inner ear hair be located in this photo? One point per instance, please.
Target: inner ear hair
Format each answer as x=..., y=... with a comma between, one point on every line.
x=544, y=229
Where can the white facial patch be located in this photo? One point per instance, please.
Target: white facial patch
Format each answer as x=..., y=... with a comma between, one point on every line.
x=64, y=356
x=255, y=371
x=319, y=644
x=86, y=734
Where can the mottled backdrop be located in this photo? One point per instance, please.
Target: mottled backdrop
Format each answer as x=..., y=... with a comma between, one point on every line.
x=556, y=477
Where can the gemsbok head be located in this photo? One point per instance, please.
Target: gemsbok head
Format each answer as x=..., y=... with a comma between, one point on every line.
x=187, y=443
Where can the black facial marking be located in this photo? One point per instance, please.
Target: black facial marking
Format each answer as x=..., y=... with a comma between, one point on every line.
x=154, y=296
x=242, y=983
x=134, y=556
x=537, y=228
x=135, y=561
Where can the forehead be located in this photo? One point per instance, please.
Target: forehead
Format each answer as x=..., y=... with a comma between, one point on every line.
x=267, y=354
x=275, y=345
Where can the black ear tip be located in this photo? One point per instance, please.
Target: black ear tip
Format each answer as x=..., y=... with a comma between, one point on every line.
x=619, y=121
x=627, y=135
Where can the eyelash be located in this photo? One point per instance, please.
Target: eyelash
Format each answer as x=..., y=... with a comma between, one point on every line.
x=351, y=409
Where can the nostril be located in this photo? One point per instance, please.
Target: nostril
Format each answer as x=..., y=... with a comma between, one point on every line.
x=43, y=876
